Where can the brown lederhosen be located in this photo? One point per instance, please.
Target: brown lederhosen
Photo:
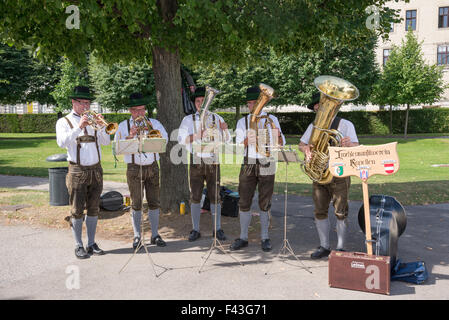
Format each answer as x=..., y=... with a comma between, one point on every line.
x=250, y=178
x=84, y=183
x=150, y=182
x=200, y=172
x=336, y=191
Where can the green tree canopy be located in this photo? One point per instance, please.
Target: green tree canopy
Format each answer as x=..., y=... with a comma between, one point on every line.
x=168, y=32
x=113, y=84
x=24, y=78
x=406, y=78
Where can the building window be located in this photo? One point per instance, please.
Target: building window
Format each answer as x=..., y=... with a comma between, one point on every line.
x=392, y=27
x=386, y=55
x=443, y=55
x=410, y=20
x=443, y=17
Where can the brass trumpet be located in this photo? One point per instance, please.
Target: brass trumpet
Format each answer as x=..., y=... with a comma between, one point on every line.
x=100, y=123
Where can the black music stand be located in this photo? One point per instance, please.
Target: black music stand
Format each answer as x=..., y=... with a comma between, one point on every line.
x=288, y=155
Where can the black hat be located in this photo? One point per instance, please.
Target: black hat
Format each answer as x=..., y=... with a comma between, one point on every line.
x=137, y=99
x=199, y=92
x=315, y=99
x=80, y=92
x=252, y=93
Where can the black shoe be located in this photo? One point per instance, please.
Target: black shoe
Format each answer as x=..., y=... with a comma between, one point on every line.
x=266, y=245
x=320, y=253
x=238, y=244
x=80, y=253
x=341, y=250
x=136, y=242
x=157, y=240
x=95, y=249
x=194, y=235
x=220, y=235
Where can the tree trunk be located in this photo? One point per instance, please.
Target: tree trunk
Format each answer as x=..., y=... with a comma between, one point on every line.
x=406, y=121
x=237, y=114
x=391, y=119
x=174, y=187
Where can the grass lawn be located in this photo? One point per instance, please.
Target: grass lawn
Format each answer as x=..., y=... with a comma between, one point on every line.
x=416, y=182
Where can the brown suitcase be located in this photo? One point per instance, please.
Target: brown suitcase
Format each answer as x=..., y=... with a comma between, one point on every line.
x=359, y=271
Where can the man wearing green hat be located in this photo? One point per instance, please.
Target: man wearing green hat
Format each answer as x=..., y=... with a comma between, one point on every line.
x=256, y=171
x=128, y=129
x=85, y=177
x=202, y=168
x=336, y=191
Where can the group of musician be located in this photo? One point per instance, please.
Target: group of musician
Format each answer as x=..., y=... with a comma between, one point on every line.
x=85, y=174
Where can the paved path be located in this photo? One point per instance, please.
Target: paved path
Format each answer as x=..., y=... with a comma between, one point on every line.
x=38, y=263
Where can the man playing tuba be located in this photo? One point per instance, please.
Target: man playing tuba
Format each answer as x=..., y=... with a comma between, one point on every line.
x=336, y=190
x=257, y=170
x=203, y=166
x=129, y=129
x=85, y=177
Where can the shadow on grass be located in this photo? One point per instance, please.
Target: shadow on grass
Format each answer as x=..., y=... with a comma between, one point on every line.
x=407, y=193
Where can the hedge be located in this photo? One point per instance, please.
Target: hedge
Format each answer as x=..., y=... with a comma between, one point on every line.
x=375, y=123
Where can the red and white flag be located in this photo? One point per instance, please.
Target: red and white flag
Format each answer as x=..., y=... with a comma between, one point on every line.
x=389, y=167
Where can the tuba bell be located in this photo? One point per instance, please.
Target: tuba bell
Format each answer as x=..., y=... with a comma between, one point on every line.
x=334, y=91
x=98, y=123
x=266, y=94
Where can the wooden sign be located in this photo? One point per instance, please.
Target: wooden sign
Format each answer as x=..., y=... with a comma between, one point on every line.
x=364, y=162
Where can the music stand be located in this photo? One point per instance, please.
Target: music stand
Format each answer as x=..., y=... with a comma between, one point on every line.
x=216, y=244
x=288, y=155
x=141, y=145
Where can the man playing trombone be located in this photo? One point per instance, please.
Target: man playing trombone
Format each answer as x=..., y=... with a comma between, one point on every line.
x=85, y=176
x=139, y=124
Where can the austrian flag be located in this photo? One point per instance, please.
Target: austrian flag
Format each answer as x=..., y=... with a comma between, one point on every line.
x=389, y=167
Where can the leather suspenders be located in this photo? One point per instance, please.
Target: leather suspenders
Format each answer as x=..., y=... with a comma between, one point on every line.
x=85, y=139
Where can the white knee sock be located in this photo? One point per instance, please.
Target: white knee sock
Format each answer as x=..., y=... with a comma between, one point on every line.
x=342, y=227
x=77, y=230
x=245, y=220
x=195, y=211
x=264, y=222
x=91, y=226
x=136, y=217
x=323, y=227
x=153, y=215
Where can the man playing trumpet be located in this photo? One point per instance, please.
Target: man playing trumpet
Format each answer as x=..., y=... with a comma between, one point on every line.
x=138, y=124
x=85, y=177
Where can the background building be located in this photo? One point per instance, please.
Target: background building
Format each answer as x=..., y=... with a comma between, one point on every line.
x=429, y=19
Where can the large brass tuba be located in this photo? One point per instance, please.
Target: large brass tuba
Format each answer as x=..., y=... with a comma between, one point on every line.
x=334, y=91
x=207, y=118
x=98, y=123
x=266, y=94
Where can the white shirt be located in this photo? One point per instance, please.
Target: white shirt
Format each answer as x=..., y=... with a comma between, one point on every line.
x=139, y=158
x=241, y=134
x=66, y=138
x=345, y=127
x=187, y=128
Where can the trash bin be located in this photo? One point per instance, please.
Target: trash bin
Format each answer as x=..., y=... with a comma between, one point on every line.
x=59, y=195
